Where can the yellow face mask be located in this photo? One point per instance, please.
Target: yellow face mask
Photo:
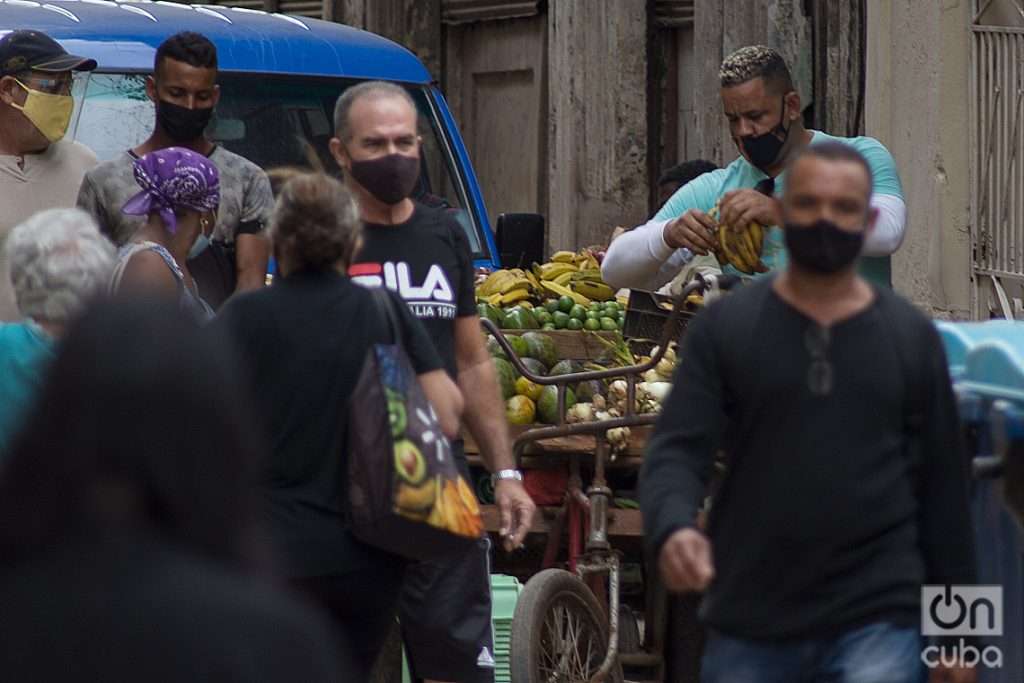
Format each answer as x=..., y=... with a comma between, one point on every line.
x=51, y=114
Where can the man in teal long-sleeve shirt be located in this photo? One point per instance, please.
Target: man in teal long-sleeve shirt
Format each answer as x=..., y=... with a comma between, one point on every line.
x=765, y=118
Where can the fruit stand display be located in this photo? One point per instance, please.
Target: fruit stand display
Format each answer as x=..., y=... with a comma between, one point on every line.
x=580, y=403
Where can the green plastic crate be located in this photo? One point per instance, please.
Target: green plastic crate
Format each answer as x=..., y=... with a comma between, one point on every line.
x=504, y=595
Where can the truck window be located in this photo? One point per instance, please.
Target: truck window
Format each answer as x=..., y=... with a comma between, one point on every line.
x=275, y=122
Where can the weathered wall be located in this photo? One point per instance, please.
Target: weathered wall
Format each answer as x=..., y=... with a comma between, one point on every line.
x=723, y=26
x=597, y=119
x=917, y=105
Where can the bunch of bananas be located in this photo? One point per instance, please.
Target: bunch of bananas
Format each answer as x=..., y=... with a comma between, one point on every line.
x=740, y=248
x=571, y=274
x=508, y=286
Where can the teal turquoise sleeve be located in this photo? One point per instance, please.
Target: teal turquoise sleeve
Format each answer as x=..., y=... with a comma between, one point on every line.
x=883, y=167
x=700, y=193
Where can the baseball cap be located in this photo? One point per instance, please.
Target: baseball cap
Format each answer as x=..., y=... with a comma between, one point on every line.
x=27, y=49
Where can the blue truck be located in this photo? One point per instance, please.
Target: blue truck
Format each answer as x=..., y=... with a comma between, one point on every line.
x=280, y=76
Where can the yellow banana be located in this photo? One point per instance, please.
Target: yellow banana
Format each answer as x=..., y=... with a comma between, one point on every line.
x=514, y=296
x=731, y=257
x=513, y=283
x=757, y=237
x=564, y=278
x=534, y=282
x=557, y=290
x=597, y=291
x=490, y=284
x=755, y=248
x=744, y=247
x=563, y=257
x=494, y=299
x=549, y=271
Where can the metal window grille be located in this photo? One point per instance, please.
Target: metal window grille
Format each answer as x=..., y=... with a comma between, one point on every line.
x=997, y=155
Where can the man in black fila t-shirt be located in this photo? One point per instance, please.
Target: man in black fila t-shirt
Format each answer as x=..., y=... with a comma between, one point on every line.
x=423, y=254
x=847, y=483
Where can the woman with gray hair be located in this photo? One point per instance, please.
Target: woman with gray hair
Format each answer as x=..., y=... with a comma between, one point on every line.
x=59, y=260
x=303, y=341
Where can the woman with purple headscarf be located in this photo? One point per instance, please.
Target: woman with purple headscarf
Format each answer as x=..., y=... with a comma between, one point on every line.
x=180, y=194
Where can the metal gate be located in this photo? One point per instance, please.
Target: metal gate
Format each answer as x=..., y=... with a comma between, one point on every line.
x=997, y=154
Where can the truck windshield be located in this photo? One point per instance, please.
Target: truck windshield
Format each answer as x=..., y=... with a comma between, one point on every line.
x=276, y=122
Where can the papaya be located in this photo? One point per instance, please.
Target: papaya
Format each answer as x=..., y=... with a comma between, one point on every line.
x=540, y=347
x=519, y=346
x=492, y=313
x=547, y=405
x=519, y=318
x=534, y=366
x=586, y=391
x=494, y=348
x=520, y=410
x=506, y=377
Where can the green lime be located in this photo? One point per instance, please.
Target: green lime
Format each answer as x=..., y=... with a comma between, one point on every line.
x=611, y=307
x=574, y=324
x=548, y=326
x=542, y=316
x=609, y=325
x=561, y=320
x=551, y=305
x=622, y=323
x=578, y=312
x=592, y=324
x=595, y=306
x=565, y=303
x=594, y=315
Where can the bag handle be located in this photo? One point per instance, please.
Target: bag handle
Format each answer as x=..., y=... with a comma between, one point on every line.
x=387, y=305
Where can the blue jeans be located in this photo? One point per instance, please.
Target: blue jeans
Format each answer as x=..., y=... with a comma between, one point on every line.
x=877, y=653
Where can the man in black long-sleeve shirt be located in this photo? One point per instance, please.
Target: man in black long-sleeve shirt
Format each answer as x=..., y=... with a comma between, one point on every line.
x=847, y=483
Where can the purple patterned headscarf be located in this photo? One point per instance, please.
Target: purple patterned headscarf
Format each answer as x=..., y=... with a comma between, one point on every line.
x=174, y=178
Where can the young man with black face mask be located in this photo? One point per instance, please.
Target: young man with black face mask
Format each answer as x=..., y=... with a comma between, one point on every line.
x=184, y=91
x=422, y=253
x=765, y=118
x=846, y=486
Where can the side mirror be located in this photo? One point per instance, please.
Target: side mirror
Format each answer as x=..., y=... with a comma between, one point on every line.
x=520, y=239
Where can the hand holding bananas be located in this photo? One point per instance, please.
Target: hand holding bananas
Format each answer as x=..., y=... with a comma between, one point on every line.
x=740, y=246
x=742, y=207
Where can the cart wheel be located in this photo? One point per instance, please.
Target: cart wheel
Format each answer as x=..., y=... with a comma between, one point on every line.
x=559, y=632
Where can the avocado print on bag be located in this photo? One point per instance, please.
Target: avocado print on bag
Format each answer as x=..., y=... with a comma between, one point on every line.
x=406, y=495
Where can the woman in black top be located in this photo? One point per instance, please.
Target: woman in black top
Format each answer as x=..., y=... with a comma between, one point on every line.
x=127, y=513
x=303, y=341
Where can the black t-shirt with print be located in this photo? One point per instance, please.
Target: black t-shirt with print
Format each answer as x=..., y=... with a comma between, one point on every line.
x=303, y=342
x=427, y=261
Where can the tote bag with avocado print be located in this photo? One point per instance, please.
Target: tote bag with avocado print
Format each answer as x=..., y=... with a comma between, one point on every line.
x=405, y=493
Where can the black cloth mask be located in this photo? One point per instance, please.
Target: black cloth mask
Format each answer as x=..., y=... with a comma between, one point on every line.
x=389, y=178
x=181, y=123
x=822, y=247
x=764, y=150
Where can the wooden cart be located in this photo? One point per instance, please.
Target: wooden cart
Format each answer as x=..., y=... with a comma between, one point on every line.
x=567, y=624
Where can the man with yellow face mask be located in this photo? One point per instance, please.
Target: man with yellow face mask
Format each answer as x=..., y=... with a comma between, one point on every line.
x=38, y=168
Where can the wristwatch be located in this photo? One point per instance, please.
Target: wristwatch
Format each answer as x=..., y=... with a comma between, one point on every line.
x=500, y=475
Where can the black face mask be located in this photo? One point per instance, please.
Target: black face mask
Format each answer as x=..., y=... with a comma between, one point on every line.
x=822, y=247
x=181, y=123
x=389, y=178
x=764, y=150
